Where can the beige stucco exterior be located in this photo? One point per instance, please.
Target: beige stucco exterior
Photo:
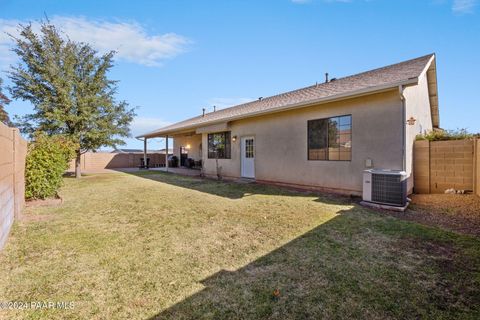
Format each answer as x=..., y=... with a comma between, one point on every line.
x=380, y=133
x=191, y=141
x=417, y=106
x=281, y=144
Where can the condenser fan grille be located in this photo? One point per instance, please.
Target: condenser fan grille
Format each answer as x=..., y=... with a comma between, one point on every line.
x=389, y=189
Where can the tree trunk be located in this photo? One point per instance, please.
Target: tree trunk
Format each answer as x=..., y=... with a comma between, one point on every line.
x=78, y=168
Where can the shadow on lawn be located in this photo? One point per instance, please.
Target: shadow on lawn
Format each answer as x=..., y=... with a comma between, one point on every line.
x=293, y=281
x=325, y=274
x=232, y=189
x=356, y=265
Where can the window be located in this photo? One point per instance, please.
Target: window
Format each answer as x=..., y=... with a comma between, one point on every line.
x=330, y=139
x=219, y=145
x=249, y=148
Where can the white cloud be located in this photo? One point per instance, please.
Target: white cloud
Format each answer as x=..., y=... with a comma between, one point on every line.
x=142, y=125
x=7, y=27
x=463, y=6
x=222, y=103
x=129, y=39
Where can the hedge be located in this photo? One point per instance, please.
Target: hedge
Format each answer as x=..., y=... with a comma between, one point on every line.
x=443, y=135
x=47, y=159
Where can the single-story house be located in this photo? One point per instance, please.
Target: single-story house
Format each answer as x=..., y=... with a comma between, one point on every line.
x=323, y=136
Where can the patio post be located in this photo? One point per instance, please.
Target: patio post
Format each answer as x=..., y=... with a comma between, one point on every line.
x=166, y=153
x=145, y=153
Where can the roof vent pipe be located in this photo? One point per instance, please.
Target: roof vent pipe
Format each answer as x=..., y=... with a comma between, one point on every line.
x=326, y=77
x=214, y=108
x=203, y=113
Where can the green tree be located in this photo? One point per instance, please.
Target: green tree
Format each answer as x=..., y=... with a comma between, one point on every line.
x=67, y=83
x=3, y=102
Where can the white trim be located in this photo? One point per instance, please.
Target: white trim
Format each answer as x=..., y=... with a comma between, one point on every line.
x=429, y=63
x=247, y=165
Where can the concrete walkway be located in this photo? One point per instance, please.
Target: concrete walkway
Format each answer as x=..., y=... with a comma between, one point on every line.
x=180, y=171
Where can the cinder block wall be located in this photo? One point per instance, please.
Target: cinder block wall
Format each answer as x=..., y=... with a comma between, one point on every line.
x=441, y=165
x=96, y=161
x=477, y=167
x=13, y=149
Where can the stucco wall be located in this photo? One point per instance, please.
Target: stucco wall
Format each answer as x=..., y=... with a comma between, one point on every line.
x=192, y=140
x=13, y=149
x=281, y=144
x=417, y=105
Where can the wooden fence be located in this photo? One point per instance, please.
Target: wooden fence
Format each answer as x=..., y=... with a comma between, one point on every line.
x=13, y=149
x=441, y=165
x=97, y=161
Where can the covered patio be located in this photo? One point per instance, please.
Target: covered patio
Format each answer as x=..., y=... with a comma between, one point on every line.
x=186, y=157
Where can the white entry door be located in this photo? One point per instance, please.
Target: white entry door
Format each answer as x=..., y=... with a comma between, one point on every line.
x=248, y=157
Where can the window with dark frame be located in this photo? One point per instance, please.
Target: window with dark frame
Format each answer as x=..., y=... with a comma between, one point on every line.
x=330, y=139
x=219, y=145
x=249, y=148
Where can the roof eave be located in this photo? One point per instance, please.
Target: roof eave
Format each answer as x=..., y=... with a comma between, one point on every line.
x=349, y=95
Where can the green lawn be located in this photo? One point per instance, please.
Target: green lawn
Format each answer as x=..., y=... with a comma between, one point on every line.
x=141, y=246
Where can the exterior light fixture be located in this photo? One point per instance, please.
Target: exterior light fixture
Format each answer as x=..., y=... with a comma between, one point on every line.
x=411, y=121
x=234, y=138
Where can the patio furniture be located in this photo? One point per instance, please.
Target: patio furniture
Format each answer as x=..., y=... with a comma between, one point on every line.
x=173, y=161
x=142, y=164
x=189, y=163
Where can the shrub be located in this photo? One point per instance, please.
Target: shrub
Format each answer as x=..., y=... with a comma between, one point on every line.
x=47, y=160
x=443, y=135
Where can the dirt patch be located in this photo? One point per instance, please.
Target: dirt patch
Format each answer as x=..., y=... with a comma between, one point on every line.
x=455, y=212
x=430, y=248
x=465, y=205
x=446, y=260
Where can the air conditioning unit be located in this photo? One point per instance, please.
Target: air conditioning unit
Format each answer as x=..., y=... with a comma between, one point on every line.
x=385, y=187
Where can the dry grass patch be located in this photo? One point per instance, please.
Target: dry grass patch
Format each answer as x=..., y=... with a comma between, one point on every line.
x=162, y=246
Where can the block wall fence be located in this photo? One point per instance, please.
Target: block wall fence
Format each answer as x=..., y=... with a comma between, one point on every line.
x=13, y=150
x=441, y=165
x=97, y=161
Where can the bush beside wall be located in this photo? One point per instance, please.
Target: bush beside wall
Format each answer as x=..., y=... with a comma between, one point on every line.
x=445, y=135
x=47, y=160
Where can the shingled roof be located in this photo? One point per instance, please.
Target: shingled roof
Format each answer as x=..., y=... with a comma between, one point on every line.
x=403, y=73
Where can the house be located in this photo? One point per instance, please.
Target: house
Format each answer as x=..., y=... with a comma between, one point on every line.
x=323, y=136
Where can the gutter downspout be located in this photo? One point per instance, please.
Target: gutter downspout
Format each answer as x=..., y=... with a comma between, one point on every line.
x=401, y=89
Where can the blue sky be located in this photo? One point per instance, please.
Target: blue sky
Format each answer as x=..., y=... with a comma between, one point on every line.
x=175, y=57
